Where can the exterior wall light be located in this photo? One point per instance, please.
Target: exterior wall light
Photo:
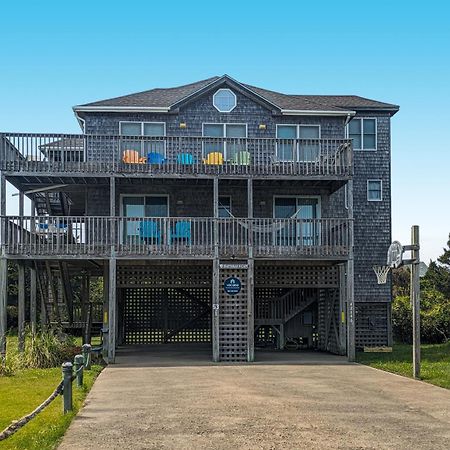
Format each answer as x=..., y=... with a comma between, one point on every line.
x=183, y=125
x=262, y=126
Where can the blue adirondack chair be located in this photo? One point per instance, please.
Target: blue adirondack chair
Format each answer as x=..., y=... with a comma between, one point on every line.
x=155, y=158
x=149, y=231
x=182, y=231
x=185, y=158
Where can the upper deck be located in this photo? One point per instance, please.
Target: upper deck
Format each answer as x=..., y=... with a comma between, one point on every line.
x=175, y=156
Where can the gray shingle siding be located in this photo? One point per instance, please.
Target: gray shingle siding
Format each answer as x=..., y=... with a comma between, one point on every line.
x=372, y=219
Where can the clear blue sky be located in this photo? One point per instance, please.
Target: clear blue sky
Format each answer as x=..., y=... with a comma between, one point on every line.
x=56, y=54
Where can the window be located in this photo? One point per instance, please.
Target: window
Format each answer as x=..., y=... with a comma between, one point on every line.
x=295, y=233
x=224, y=100
x=143, y=146
x=364, y=134
x=232, y=139
x=374, y=190
x=143, y=206
x=307, y=148
x=225, y=206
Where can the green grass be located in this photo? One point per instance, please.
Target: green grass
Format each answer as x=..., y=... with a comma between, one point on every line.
x=435, y=367
x=27, y=389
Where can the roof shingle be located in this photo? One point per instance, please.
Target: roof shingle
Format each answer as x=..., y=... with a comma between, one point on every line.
x=166, y=97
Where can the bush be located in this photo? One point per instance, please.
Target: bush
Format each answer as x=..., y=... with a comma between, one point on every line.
x=434, y=316
x=402, y=319
x=8, y=365
x=12, y=316
x=47, y=348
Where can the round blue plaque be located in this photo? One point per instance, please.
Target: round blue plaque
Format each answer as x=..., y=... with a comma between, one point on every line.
x=232, y=286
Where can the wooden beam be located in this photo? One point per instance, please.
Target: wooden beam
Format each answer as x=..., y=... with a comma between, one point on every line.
x=105, y=308
x=215, y=311
x=21, y=307
x=351, y=310
x=189, y=322
x=250, y=311
x=66, y=289
x=3, y=302
x=33, y=299
x=112, y=310
x=342, y=311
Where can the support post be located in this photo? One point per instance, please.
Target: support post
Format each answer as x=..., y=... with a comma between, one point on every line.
x=250, y=311
x=67, y=386
x=21, y=307
x=250, y=277
x=415, y=298
x=351, y=310
x=33, y=299
x=342, y=311
x=112, y=311
x=105, y=331
x=3, y=267
x=3, y=300
x=216, y=294
x=215, y=311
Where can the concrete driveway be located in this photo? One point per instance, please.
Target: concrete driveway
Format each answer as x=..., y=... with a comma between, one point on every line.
x=168, y=400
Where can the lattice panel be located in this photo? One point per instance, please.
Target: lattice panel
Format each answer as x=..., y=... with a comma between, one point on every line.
x=296, y=276
x=371, y=324
x=164, y=276
x=328, y=320
x=233, y=321
x=167, y=315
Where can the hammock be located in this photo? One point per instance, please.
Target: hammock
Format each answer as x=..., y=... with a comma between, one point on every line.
x=264, y=229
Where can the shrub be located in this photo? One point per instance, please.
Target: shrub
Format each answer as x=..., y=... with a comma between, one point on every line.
x=434, y=317
x=8, y=365
x=12, y=316
x=47, y=348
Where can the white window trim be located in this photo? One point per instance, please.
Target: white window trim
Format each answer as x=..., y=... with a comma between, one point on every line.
x=381, y=191
x=319, y=209
x=297, y=137
x=347, y=134
x=225, y=156
x=121, y=196
x=318, y=197
x=142, y=132
x=235, y=100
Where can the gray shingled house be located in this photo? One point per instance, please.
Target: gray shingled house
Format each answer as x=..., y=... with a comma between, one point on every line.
x=215, y=212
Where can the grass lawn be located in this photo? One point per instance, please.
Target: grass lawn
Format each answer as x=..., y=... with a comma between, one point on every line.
x=435, y=368
x=24, y=391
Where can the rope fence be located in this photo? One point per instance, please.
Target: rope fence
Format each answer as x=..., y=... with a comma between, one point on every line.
x=70, y=373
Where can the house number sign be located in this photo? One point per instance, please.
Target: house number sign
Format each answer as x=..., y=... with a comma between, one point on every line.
x=232, y=286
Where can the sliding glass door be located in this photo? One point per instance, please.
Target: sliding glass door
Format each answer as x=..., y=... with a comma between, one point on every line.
x=144, y=206
x=293, y=232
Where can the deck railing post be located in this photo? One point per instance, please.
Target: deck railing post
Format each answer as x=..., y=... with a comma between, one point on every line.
x=67, y=368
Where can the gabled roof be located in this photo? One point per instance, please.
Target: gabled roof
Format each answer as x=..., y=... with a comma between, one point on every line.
x=166, y=99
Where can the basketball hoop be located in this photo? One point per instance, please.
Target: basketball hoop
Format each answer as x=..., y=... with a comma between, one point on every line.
x=381, y=272
x=395, y=255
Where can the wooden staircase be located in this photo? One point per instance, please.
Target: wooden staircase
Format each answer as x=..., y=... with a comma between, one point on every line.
x=279, y=310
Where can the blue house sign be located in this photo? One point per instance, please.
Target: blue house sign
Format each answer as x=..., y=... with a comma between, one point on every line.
x=232, y=286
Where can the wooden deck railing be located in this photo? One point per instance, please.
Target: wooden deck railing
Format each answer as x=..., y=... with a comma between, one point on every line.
x=175, y=155
x=159, y=237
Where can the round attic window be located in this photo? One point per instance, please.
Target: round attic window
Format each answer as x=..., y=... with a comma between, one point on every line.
x=224, y=100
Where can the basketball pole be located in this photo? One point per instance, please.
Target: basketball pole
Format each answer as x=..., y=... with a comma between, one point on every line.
x=415, y=298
